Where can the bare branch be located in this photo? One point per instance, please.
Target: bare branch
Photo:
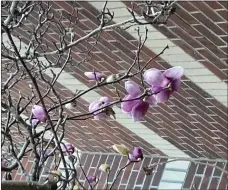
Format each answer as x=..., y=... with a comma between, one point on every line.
x=15, y=185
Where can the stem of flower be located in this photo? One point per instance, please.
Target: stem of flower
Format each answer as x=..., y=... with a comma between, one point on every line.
x=83, y=170
x=107, y=180
x=190, y=160
x=119, y=172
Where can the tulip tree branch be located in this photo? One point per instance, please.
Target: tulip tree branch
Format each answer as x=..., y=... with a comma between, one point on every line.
x=96, y=183
x=190, y=160
x=103, y=27
x=76, y=178
x=12, y=12
x=39, y=94
x=30, y=67
x=80, y=165
x=14, y=165
x=125, y=76
x=119, y=172
x=33, y=79
x=107, y=178
x=78, y=117
x=15, y=185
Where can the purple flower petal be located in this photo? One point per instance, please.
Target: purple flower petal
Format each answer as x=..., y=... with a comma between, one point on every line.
x=132, y=88
x=174, y=72
x=131, y=157
x=91, y=179
x=156, y=89
x=69, y=148
x=175, y=84
x=105, y=99
x=93, y=75
x=127, y=106
x=155, y=77
x=100, y=116
x=38, y=113
x=95, y=105
x=139, y=110
x=163, y=96
x=137, y=153
x=151, y=100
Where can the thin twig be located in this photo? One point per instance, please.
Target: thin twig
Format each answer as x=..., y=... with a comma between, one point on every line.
x=119, y=172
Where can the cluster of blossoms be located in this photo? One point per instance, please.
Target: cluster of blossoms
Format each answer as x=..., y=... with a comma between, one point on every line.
x=162, y=84
x=97, y=105
x=38, y=115
x=97, y=76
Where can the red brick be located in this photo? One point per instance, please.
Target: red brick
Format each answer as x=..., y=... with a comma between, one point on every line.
x=158, y=174
x=186, y=37
x=187, y=6
x=186, y=16
x=223, y=13
x=209, y=24
x=209, y=35
x=223, y=183
x=190, y=175
x=207, y=11
x=214, y=5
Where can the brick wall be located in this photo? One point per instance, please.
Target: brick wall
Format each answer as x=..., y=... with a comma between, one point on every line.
x=203, y=177
x=200, y=29
x=133, y=177
x=192, y=120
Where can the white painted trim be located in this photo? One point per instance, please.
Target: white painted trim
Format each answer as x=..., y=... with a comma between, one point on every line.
x=175, y=56
x=174, y=175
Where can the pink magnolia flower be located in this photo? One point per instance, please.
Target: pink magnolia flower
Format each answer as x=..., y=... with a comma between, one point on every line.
x=136, y=108
x=169, y=79
x=38, y=113
x=91, y=179
x=68, y=148
x=94, y=75
x=98, y=104
x=136, y=155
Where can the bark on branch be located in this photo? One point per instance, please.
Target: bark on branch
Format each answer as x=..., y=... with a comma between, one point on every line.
x=23, y=185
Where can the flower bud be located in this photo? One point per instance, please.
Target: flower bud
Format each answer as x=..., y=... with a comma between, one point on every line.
x=136, y=155
x=38, y=112
x=104, y=168
x=76, y=187
x=91, y=179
